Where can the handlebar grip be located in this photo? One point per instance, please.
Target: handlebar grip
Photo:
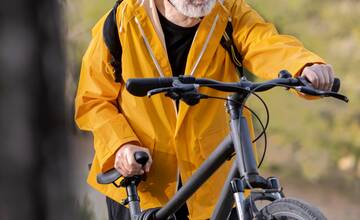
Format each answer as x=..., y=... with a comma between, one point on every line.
x=140, y=86
x=336, y=85
x=141, y=157
x=108, y=177
x=112, y=175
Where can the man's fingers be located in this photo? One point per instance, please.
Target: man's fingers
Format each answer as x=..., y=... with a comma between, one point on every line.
x=148, y=165
x=132, y=167
x=122, y=172
x=330, y=73
x=328, y=76
x=321, y=76
x=311, y=76
x=124, y=167
x=319, y=71
x=120, y=167
x=327, y=83
x=149, y=162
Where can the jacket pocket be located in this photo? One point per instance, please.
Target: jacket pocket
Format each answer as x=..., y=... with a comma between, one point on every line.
x=210, y=140
x=147, y=141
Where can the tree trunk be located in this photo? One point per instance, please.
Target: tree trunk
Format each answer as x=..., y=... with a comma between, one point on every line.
x=34, y=151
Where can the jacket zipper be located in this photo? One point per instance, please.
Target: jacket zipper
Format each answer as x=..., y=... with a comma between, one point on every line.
x=205, y=44
x=147, y=44
x=158, y=68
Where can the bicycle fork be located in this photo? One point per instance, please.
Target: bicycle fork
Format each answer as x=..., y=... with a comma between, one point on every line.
x=245, y=159
x=238, y=191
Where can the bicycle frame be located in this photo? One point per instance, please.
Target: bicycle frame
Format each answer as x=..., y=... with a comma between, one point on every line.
x=244, y=165
x=244, y=173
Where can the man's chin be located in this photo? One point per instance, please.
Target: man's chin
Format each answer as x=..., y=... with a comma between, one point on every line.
x=194, y=9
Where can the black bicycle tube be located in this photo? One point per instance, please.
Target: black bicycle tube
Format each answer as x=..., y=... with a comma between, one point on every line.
x=134, y=201
x=215, y=160
x=226, y=200
x=247, y=148
x=235, y=131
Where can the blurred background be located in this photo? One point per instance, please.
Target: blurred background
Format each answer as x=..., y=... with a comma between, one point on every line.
x=314, y=146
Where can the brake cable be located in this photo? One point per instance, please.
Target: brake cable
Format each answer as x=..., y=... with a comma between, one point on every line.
x=264, y=128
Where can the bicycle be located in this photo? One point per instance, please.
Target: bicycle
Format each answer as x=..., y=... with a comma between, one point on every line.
x=244, y=174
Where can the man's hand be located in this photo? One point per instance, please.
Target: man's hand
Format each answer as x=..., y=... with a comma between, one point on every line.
x=125, y=161
x=321, y=76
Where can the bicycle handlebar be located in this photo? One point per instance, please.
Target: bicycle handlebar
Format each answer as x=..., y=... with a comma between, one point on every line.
x=150, y=86
x=140, y=86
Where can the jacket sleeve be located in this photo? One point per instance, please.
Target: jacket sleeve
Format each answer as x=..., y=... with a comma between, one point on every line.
x=96, y=105
x=264, y=51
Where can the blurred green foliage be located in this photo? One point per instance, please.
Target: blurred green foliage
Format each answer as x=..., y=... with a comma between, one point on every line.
x=80, y=17
x=321, y=138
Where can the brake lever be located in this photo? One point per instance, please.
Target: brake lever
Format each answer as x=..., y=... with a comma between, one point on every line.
x=337, y=96
x=186, y=92
x=158, y=90
x=314, y=92
x=307, y=88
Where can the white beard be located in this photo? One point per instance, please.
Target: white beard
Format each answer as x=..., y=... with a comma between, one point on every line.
x=194, y=8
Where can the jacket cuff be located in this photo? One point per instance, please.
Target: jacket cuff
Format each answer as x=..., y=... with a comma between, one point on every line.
x=109, y=137
x=299, y=72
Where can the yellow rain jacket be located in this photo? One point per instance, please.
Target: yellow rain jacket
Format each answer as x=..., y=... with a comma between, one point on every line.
x=178, y=141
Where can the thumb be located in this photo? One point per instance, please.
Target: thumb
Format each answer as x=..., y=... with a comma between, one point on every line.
x=147, y=167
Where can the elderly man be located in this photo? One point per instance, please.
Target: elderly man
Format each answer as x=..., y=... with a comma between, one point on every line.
x=170, y=38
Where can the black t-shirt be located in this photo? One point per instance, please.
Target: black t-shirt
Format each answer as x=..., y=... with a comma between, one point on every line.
x=178, y=42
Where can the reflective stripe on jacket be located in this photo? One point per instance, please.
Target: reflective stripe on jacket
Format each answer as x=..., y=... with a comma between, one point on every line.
x=178, y=141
